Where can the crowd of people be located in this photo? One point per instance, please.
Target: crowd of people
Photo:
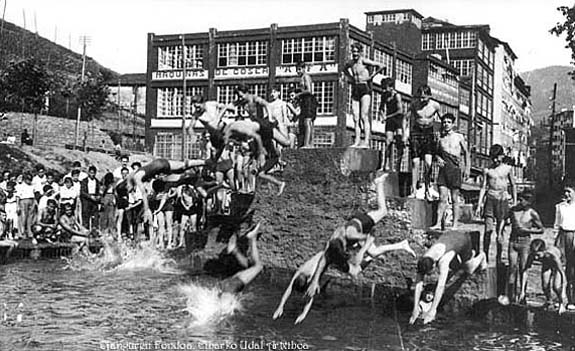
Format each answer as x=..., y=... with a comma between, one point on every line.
x=164, y=200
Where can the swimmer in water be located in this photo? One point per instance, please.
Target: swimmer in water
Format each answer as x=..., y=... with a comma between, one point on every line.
x=252, y=264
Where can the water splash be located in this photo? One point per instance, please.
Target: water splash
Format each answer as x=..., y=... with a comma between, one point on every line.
x=208, y=305
x=124, y=256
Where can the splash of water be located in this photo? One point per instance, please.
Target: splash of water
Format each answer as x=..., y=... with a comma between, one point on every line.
x=124, y=256
x=207, y=305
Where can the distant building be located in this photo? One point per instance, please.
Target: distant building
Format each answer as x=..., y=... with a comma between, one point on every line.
x=262, y=58
x=472, y=51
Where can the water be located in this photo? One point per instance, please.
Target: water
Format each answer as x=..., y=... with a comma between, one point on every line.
x=147, y=303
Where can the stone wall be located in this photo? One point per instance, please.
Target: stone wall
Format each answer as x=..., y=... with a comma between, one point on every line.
x=317, y=199
x=54, y=131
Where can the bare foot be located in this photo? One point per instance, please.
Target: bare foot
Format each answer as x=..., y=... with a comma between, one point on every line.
x=436, y=227
x=254, y=232
x=232, y=244
x=363, y=146
x=381, y=178
x=408, y=248
x=282, y=188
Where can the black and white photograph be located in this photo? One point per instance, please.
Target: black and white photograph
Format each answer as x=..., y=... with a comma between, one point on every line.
x=287, y=175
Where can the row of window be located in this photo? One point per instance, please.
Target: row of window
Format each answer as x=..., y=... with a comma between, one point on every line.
x=453, y=40
x=485, y=54
x=484, y=79
x=484, y=106
x=170, y=98
x=255, y=53
x=465, y=67
x=441, y=74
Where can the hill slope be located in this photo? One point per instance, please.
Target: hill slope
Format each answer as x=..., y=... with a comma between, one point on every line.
x=541, y=82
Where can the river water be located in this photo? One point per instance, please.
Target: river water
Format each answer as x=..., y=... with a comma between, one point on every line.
x=146, y=304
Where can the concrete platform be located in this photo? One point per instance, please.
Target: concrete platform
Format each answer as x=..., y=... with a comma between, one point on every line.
x=359, y=160
x=25, y=249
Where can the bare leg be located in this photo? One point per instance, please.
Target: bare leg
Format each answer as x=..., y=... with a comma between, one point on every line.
x=365, y=106
x=455, y=205
x=474, y=263
x=381, y=211
x=170, y=228
x=281, y=185
x=376, y=251
x=416, y=163
x=119, y=221
x=441, y=208
x=355, y=110
x=487, y=236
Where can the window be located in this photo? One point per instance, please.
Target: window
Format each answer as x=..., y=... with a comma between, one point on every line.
x=250, y=53
x=169, y=146
x=170, y=101
x=323, y=139
x=426, y=41
x=465, y=67
x=314, y=49
x=375, y=104
x=324, y=93
x=403, y=71
x=385, y=59
x=170, y=57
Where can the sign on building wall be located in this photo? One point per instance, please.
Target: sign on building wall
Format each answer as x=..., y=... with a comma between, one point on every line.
x=177, y=75
x=241, y=72
x=287, y=71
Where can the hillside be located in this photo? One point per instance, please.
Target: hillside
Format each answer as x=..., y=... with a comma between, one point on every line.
x=541, y=82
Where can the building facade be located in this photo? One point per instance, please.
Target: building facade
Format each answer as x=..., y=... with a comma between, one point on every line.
x=512, y=119
x=216, y=62
x=472, y=51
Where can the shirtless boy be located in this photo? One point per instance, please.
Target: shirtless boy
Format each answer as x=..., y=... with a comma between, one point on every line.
x=524, y=222
x=552, y=273
x=210, y=114
x=337, y=252
x=307, y=104
x=252, y=265
x=496, y=180
x=453, y=250
x=77, y=233
x=148, y=172
x=453, y=158
x=424, y=114
x=392, y=113
x=357, y=70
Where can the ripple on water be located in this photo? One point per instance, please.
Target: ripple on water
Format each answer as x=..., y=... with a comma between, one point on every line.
x=81, y=309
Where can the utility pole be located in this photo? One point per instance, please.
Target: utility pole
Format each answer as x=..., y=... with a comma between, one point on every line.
x=77, y=134
x=551, y=126
x=184, y=100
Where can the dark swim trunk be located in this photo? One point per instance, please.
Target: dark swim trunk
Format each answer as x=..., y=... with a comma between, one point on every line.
x=423, y=141
x=337, y=255
x=362, y=222
x=157, y=166
x=496, y=208
x=217, y=139
x=232, y=285
x=359, y=90
x=394, y=123
x=271, y=161
x=449, y=175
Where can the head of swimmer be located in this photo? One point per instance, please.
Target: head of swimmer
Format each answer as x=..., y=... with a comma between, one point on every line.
x=569, y=193
x=496, y=153
x=537, y=249
x=447, y=122
x=241, y=91
x=424, y=93
x=356, y=51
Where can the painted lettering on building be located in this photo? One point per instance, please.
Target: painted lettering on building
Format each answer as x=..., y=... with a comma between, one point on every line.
x=177, y=75
x=286, y=71
x=241, y=72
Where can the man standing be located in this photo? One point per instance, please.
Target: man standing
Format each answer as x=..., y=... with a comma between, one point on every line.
x=565, y=228
x=496, y=180
x=452, y=150
x=392, y=113
x=125, y=159
x=308, y=106
x=424, y=114
x=357, y=70
x=90, y=197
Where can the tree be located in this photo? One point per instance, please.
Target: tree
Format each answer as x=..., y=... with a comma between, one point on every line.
x=567, y=28
x=26, y=83
x=92, y=96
